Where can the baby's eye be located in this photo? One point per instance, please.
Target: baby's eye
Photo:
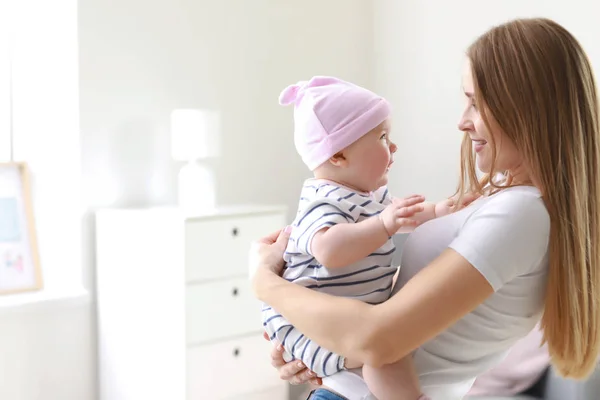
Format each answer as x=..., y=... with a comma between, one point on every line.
x=383, y=136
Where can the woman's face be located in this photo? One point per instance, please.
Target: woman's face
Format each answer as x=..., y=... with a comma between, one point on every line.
x=508, y=157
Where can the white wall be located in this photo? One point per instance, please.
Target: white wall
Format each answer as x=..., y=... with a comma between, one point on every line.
x=419, y=51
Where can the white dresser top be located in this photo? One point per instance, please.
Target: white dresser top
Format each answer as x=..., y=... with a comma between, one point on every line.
x=219, y=212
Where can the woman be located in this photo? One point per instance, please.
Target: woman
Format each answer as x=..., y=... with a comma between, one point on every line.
x=474, y=282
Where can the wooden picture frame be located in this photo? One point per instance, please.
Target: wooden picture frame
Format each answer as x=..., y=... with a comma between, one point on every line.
x=20, y=269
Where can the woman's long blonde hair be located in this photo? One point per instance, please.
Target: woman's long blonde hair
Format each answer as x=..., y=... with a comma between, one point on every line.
x=536, y=85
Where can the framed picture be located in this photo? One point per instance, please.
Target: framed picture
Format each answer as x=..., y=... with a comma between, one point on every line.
x=19, y=258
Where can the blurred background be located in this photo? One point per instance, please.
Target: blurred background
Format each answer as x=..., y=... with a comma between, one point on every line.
x=88, y=89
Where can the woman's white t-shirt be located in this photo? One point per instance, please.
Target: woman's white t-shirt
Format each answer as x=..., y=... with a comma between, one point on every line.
x=505, y=237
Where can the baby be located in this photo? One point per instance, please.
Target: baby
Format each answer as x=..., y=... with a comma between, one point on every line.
x=341, y=242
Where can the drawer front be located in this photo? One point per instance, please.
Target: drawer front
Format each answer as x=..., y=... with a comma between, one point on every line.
x=229, y=369
x=219, y=248
x=221, y=309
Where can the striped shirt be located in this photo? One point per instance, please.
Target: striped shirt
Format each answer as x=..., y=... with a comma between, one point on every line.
x=325, y=204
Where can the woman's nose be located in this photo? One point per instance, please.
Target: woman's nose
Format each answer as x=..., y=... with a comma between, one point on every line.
x=465, y=124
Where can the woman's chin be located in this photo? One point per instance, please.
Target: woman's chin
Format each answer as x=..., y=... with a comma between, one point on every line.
x=483, y=165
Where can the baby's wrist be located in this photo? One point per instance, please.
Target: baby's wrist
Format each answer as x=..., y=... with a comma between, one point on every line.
x=440, y=209
x=382, y=222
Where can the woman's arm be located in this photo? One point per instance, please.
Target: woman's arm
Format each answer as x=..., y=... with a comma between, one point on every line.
x=505, y=238
x=434, y=299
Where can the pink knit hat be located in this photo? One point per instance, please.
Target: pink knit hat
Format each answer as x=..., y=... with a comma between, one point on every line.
x=331, y=114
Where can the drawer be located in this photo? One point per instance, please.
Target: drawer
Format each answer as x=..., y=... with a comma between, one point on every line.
x=218, y=248
x=221, y=309
x=229, y=369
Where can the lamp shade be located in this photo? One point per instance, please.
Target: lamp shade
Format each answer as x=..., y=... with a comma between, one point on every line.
x=194, y=134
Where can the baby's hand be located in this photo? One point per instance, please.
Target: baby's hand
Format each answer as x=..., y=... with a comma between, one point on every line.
x=449, y=206
x=444, y=207
x=397, y=214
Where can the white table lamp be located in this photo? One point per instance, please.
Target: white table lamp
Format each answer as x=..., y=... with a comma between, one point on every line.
x=195, y=139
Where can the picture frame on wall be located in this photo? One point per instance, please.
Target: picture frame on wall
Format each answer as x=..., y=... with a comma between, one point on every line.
x=20, y=269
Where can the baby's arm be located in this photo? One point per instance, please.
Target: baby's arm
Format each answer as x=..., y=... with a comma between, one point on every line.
x=325, y=230
x=442, y=208
x=297, y=346
x=430, y=210
x=344, y=244
x=433, y=210
x=427, y=214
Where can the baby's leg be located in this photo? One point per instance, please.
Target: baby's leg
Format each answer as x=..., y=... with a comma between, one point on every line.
x=396, y=381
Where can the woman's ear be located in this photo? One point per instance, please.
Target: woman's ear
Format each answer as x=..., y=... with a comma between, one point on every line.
x=339, y=160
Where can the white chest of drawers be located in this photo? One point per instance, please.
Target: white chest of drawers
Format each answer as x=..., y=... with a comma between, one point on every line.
x=176, y=316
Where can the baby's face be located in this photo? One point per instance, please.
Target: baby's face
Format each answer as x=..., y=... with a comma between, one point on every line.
x=370, y=158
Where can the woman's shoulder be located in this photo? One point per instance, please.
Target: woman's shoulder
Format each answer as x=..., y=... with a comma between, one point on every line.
x=522, y=204
x=506, y=235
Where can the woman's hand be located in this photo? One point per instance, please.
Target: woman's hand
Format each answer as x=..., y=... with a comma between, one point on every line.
x=267, y=253
x=295, y=372
x=266, y=258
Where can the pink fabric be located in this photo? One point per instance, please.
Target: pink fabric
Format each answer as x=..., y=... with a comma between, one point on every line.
x=331, y=114
x=522, y=367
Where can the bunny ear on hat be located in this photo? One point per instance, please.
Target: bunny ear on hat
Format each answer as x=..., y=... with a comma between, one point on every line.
x=292, y=93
